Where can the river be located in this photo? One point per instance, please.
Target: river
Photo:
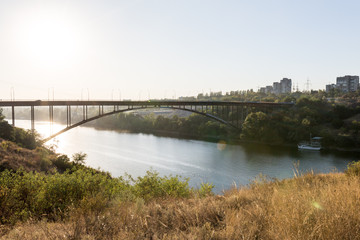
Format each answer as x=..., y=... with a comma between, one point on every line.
x=218, y=163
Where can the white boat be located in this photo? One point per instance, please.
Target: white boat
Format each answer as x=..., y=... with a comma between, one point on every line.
x=314, y=144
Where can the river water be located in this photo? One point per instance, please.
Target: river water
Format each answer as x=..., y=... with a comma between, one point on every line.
x=218, y=163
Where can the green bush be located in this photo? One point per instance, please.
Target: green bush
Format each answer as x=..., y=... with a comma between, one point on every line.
x=32, y=194
x=62, y=163
x=154, y=186
x=353, y=169
x=205, y=189
x=18, y=195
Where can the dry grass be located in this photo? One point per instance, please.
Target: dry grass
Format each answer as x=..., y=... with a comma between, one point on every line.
x=13, y=157
x=324, y=206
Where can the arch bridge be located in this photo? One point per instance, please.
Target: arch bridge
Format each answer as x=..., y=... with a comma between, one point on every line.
x=231, y=113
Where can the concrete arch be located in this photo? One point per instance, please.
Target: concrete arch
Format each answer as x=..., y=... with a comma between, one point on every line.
x=134, y=109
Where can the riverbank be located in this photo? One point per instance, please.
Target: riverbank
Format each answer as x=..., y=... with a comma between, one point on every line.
x=227, y=140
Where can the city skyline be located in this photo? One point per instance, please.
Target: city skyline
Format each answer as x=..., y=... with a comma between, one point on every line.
x=161, y=49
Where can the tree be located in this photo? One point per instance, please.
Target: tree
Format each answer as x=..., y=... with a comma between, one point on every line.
x=79, y=158
x=254, y=125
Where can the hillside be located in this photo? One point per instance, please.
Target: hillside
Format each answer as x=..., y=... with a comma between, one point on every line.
x=13, y=157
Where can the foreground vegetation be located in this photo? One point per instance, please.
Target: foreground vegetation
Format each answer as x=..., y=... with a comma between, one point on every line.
x=84, y=205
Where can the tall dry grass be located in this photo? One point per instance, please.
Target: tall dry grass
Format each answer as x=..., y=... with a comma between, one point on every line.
x=311, y=206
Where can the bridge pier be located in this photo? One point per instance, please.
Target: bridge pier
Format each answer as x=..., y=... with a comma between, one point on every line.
x=83, y=112
x=32, y=119
x=13, y=115
x=68, y=115
x=51, y=117
x=237, y=116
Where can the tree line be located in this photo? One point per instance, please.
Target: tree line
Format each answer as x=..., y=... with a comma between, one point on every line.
x=337, y=122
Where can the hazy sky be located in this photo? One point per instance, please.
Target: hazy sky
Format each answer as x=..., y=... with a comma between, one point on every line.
x=165, y=48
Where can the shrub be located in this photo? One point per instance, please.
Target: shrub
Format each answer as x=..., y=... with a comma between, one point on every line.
x=4, y=145
x=32, y=194
x=62, y=163
x=154, y=186
x=18, y=195
x=27, y=194
x=205, y=189
x=353, y=169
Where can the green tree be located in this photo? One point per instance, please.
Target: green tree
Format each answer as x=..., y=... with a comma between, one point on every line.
x=79, y=158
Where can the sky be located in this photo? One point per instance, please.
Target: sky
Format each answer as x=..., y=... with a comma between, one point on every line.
x=141, y=49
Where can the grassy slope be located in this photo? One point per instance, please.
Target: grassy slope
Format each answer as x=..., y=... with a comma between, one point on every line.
x=13, y=157
x=323, y=206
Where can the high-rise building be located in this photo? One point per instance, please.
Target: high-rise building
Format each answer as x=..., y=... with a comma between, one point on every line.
x=268, y=89
x=329, y=87
x=276, y=88
x=347, y=83
x=285, y=85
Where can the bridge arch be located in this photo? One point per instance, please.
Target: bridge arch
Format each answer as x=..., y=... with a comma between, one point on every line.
x=134, y=109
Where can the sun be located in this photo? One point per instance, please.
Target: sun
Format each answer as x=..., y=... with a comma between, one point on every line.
x=48, y=40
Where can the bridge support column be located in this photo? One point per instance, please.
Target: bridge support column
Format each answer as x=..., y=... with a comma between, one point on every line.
x=13, y=115
x=242, y=114
x=51, y=114
x=32, y=119
x=84, y=113
x=223, y=112
x=68, y=115
x=229, y=119
x=237, y=116
x=51, y=118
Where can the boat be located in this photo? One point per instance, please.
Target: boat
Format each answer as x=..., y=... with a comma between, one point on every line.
x=314, y=144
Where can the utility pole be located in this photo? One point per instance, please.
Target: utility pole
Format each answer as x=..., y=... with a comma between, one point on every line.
x=12, y=94
x=308, y=85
